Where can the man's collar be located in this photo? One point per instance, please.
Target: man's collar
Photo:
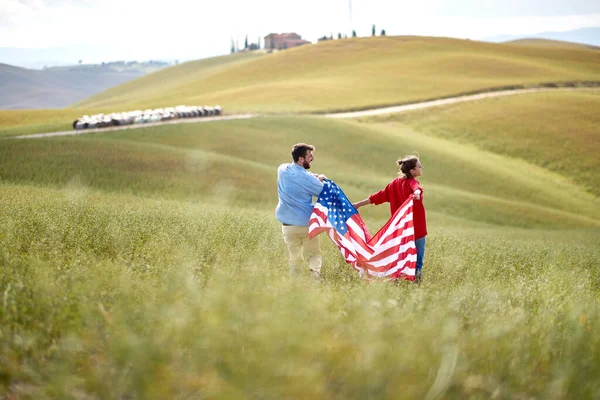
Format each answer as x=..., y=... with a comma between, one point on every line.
x=298, y=166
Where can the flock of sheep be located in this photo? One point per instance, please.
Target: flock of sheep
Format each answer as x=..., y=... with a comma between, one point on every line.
x=143, y=117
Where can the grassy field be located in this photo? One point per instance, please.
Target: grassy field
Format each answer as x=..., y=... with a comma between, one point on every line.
x=557, y=131
x=148, y=264
x=24, y=122
x=233, y=162
x=356, y=73
x=115, y=296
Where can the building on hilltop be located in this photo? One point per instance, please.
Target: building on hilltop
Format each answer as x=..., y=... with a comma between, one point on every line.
x=282, y=41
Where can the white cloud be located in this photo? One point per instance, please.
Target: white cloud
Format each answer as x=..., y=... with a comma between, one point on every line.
x=139, y=29
x=10, y=8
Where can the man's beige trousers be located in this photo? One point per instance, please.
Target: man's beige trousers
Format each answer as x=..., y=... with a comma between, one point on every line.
x=297, y=242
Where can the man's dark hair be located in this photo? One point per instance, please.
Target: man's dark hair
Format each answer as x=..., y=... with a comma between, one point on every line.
x=300, y=150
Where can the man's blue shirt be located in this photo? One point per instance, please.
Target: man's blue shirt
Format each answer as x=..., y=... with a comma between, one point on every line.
x=296, y=187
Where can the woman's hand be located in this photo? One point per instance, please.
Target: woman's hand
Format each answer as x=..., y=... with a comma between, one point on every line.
x=361, y=203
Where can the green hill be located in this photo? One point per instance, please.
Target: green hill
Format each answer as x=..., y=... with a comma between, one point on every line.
x=233, y=162
x=557, y=131
x=183, y=75
x=354, y=74
x=334, y=75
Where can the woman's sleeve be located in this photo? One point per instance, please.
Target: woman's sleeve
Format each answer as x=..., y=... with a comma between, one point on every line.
x=414, y=185
x=380, y=197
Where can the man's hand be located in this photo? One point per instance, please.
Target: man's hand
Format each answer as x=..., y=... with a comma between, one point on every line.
x=321, y=177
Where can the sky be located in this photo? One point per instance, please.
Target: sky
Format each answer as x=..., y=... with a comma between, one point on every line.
x=188, y=29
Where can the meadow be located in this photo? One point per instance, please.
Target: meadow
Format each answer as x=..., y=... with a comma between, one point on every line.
x=554, y=130
x=116, y=296
x=148, y=264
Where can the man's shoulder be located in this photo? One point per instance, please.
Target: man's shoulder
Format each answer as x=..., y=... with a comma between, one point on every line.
x=283, y=167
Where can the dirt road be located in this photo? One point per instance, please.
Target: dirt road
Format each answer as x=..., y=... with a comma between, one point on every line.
x=352, y=114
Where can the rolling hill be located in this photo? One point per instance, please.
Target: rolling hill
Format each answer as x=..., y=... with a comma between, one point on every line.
x=556, y=44
x=584, y=36
x=58, y=87
x=355, y=74
x=557, y=131
x=230, y=163
x=332, y=76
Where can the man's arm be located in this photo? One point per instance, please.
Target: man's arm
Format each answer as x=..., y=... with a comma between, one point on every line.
x=320, y=177
x=314, y=186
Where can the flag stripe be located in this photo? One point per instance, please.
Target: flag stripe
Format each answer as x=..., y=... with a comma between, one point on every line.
x=391, y=253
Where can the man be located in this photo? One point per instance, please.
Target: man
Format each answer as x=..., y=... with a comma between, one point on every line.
x=296, y=188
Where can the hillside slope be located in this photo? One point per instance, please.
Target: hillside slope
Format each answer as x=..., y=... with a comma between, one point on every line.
x=22, y=88
x=548, y=43
x=585, y=36
x=354, y=74
x=554, y=130
x=230, y=164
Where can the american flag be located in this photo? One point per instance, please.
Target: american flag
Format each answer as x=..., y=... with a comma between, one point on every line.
x=390, y=254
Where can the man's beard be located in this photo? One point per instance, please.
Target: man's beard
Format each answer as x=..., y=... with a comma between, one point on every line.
x=306, y=165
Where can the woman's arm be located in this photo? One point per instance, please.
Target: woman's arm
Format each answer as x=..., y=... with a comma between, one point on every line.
x=417, y=194
x=362, y=203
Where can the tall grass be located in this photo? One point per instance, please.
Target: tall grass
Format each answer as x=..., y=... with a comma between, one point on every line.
x=120, y=297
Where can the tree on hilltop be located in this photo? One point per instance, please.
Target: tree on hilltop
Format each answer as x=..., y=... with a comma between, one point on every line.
x=353, y=33
x=373, y=30
x=383, y=32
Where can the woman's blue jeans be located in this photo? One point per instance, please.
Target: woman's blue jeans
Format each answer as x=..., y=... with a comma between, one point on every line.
x=420, y=245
